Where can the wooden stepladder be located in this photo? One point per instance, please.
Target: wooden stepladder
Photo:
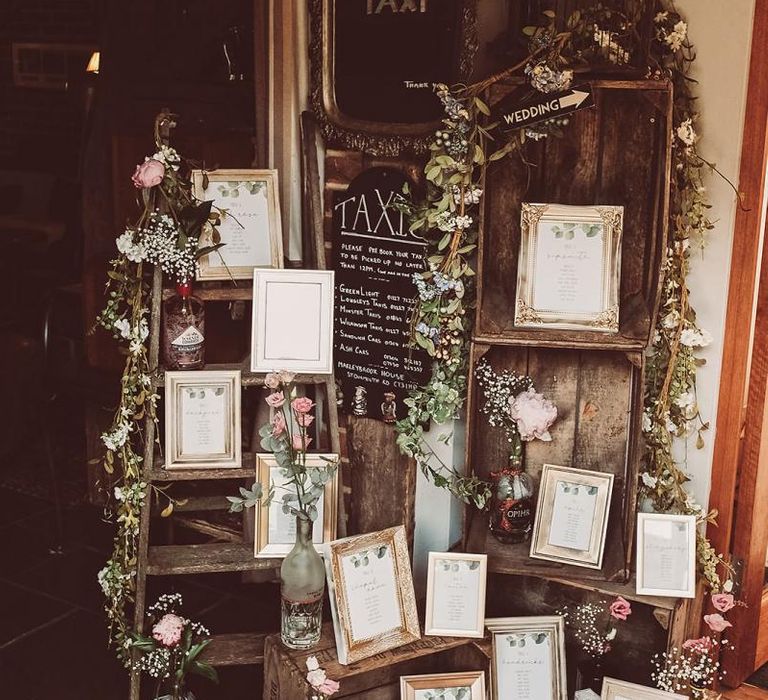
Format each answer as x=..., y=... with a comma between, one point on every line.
x=235, y=554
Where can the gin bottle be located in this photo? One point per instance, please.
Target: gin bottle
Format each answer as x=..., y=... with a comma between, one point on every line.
x=183, y=330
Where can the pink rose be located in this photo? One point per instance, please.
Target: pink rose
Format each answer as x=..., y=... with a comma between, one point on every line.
x=533, y=415
x=701, y=645
x=304, y=419
x=278, y=425
x=328, y=687
x=620, y=609
x=300, y=443
x=302, y=404
x=723, y=601
x=275, y=399
x=168, y=630
x=716, y=622
x=149, y=173
x=272, y=381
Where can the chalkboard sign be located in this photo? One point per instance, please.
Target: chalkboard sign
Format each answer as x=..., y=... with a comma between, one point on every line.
x=375, y=256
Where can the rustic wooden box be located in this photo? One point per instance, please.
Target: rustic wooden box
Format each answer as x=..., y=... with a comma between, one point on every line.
x=616, y=153
x=598, y=395
x=377, y=678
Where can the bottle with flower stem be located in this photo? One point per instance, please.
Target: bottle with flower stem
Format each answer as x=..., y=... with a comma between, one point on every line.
x=512, y=505
x=183, y=330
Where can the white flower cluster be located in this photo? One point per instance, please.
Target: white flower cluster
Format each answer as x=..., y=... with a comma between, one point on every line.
x=115, y=439
x=448, y=221
x=156, y=663
x=133, y=250
x=609, y=47
x=112, y=581
x=686, y=133
x=544, y=78
x=679, y=669
x=133, y=495
x=471, y=195
x=674, y=36
x=695, y=337
x=168, y=157
x=135, y=334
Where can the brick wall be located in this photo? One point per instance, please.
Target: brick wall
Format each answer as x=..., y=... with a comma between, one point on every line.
x=41, y=129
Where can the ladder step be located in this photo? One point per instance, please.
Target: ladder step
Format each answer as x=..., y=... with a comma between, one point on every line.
x=176, y=559
x=244, y=293
x=247, y=471
x=234, y=650
x=249, y=378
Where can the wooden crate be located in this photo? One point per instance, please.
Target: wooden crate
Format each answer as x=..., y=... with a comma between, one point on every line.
x=616, y=153
x=377, y=678
x=598, y=395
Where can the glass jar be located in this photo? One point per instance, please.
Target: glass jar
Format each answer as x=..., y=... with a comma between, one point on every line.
x=183, y=330
x=302, y=583
x=512, y=504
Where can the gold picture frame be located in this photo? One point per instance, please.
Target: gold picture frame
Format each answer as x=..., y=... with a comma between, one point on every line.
x=528, y=636
x=371, y=591
x=417, y=687
x=568, y=497
x=569, y=267
x=255, y=247
x=456, y=592
x=325, y=526
x=190, y=431
x=614, y=689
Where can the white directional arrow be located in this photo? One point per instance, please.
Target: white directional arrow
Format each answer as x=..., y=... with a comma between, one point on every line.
x=574, y=99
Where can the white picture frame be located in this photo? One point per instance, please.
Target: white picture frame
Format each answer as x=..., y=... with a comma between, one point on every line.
x=202, y=420
x=447, y=686
x=370, y=587
x=275, y=531
x=528, y=658
x=572, y=516
x=292, y=321
x=250, y=228
x=666, y=555
x=456, y=586
x=569, y=267
x=614, y=689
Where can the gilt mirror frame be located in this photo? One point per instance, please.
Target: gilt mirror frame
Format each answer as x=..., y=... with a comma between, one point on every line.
x=376, y=138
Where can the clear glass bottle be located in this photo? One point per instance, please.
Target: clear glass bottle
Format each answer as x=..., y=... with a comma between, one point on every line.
x=512, y=506
x=183, y=330
x=302, y=583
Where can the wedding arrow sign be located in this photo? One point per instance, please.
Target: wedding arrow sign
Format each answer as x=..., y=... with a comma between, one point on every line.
x=544, y=107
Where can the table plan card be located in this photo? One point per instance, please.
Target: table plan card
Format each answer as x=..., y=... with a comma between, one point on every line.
x=282, y=526
x=371, y=591
x=456, y=594
x=569, y=267
x=573, y=516
x=202, y=419
x=666, y=554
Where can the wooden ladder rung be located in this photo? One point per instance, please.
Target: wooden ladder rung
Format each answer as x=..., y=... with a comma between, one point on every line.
x=171, y=560
x=244, y=293
x=234, y=650
x=249, y=378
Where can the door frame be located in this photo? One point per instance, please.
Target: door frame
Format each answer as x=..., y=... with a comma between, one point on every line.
x=740, y=460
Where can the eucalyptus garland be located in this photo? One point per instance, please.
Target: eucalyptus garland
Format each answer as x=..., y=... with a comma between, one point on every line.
x=447, y=218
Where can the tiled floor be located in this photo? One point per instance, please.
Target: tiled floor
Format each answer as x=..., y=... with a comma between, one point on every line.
x=53, y=639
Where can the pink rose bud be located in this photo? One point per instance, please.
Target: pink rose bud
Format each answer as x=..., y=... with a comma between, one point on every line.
x=701, y=645
x=620, y=609
x=723, y=601
x=275, y=399
x=148, y=174
x=304, y=419
x=302, y=404
x=717, y=623
x=328, y=687
x=286, y=377
x=278, y=425
x=272, y=381
x=300, y=443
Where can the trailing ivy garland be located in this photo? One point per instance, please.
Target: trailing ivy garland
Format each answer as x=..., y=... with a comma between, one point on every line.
x=447, y=218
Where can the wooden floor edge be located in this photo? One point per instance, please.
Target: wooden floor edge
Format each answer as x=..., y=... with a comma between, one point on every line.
x=746, y=692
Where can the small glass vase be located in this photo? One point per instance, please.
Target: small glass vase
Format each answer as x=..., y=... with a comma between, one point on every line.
x=302, y=583
x=590, y=674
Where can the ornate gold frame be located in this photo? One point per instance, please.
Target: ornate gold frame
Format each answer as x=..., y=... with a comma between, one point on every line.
x=349, y=650
x=474, y=680
x=175, y=382
x=261, y=544
x=551, y=474
x=532, y=215
x=552, y=625
x=376, y=138
x=208, y=269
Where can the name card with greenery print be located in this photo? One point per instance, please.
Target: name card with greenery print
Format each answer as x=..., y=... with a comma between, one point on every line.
x=371, y=591
x=456, y=594
x=614, y=689
x=468, y=685
x=528, y=658
x=572, y=516
x=666, y=555
x=245, y=219
x=569, y=265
